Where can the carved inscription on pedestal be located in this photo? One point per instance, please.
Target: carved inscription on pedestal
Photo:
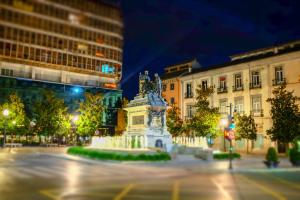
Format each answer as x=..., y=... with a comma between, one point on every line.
x=138, y=120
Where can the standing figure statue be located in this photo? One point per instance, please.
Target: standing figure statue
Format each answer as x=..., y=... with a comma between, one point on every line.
x=158, y=84
x=144, y=83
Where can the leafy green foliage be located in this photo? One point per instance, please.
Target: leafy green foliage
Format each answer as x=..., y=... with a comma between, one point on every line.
x=245, y=128
x=272, y=155
x=51, y=116
x=225, y=155
x=16, y=119
x=205, y=122
x=106, y=155
x=91, y=114
x=174, y=122
x=286, y=121
x=294, y=153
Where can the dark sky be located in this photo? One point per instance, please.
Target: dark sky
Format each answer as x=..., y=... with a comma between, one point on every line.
x=163, y=32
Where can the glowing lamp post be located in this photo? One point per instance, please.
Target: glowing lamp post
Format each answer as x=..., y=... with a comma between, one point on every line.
x=5, y=114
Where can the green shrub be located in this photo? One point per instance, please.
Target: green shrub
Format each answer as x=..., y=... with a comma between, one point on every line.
x=272, y=155
x=105, y=155
x=294, y=153
x=226, y=155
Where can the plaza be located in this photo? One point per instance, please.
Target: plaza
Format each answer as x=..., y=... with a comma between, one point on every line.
x=50, y=174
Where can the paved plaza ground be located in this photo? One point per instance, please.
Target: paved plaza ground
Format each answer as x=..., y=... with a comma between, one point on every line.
x=45, y=174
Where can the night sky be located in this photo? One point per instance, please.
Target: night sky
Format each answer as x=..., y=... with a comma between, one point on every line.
x=159, y=33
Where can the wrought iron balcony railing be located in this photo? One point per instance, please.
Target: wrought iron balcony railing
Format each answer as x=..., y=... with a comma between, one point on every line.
x=222, y=90
x=278, y=81
x=255, y=85
x=188, y=95
x=257, y=112
x=238, y=88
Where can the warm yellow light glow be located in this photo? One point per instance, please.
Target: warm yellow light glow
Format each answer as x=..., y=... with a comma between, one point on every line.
x=224, y=122
x=6, y=112
x=75, y=118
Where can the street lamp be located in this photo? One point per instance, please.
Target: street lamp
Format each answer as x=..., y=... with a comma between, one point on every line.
x=5, y=113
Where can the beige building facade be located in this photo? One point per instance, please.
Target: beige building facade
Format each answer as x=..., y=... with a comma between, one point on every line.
x=246, y=82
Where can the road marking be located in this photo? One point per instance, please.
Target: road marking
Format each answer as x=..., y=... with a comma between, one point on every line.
x=295, y=185
x=222, y=190
x=175, y=193
x=47, y=193
x=264, y=188
x=35, y=172
x=15, y=173
x=125, y=191
x=51, y=171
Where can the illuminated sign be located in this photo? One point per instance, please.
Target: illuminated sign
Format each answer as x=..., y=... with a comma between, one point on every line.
x=110, y=85
x=107, y=69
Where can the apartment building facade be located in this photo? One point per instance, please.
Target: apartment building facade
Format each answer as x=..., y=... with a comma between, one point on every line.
x=171, y=80
x=246, y=82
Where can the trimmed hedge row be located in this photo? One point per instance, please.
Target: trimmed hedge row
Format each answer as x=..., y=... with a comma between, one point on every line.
x=226, y=155
x=106, y=155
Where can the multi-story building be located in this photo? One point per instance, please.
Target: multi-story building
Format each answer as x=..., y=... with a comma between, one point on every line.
x=247, y=82
x=171, y=83
x=67, y=46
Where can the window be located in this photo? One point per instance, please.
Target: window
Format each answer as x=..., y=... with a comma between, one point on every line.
x=172, y=86
x=172, y=100
x=189, y=111
x=7, y=72
x=188, y=93
x=278, y=76
x=239, y=104
x=204, y=85
x=223, y=106
x=256, y=104
x=222, y=85
x=238, y=83
x=164, y=87
x=255, y=79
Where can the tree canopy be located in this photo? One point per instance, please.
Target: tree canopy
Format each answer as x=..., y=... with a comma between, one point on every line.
x=16, y=119
x=51, y=116
x=91, y=114
x=205, y=121
x=174, y=122
x=245, y=128
x=285, y=115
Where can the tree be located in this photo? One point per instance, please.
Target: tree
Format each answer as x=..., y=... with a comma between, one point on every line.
x=284, y=114
x=91, y=114
x=245, y=129
x=16, y=120
x=52, y=118
x=205, y=121
x=174, y=122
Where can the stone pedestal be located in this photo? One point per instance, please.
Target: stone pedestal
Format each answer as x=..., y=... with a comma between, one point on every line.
x=147, y=121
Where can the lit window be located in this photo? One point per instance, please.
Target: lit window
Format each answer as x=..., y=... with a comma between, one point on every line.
x=172, y=86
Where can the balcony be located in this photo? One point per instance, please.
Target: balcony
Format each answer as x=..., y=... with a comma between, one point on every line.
x=187, y=118
x=238, y=88
x=255, y=85
x=222, y=90
x=278, y=81
x=257, y=113
x=188, y=95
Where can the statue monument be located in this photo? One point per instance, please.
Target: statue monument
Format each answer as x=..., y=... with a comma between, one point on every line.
x=146, y=115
